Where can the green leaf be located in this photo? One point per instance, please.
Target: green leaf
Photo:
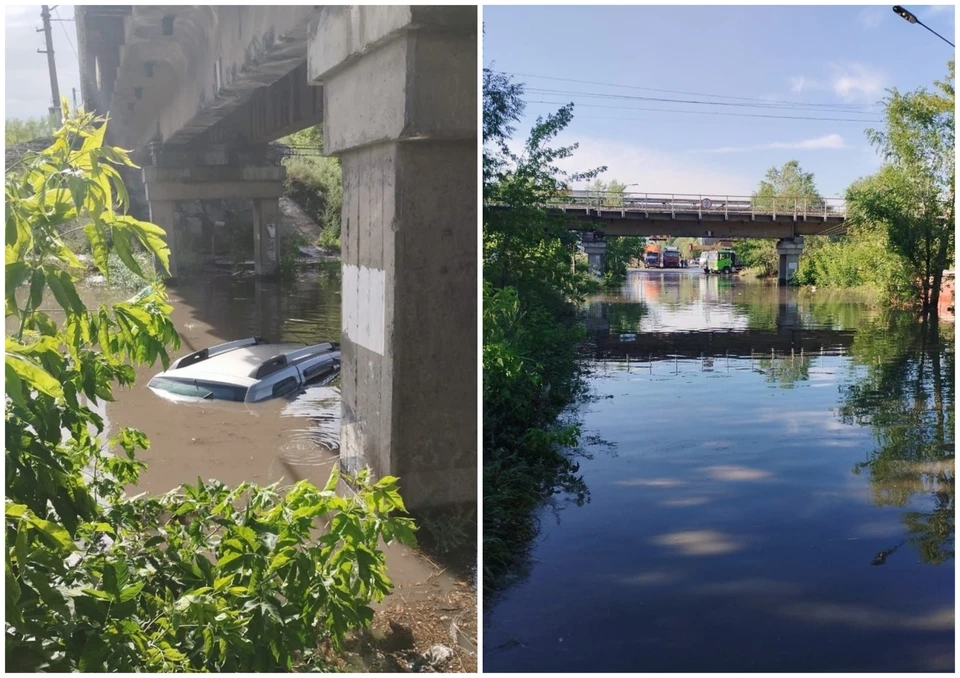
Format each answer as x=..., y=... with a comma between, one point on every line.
x=249, y=536
x=207, y=640
x=63, y=289
x=99, y=595
x=173, y=654
x=14, y=387
x=121, y=243
x=109, y=581
x=279, y=561
x=93, y=654
x=36, y=289
x=229, y=558
x=15, y=510
x=17, y=273
x=98, y=245
x=131, y=592
x=35, y=377
x=21, y=546
x=55, y=534
x=13, y=587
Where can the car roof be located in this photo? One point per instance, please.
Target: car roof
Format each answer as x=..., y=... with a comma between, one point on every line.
x=238, y=365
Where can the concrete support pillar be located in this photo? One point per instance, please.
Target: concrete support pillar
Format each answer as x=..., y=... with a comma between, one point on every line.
x=409, y=377
x=596, y=255
x=266, y=236
x=162, y=214
x=788, y=251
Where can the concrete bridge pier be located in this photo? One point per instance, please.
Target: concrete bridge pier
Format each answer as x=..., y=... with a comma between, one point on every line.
x=596, y=250
x=788, y=251
x=167, y=184
x=399, y=102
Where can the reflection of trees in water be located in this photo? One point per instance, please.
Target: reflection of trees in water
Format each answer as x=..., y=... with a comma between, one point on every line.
x=784, y=371
x=767, y=308
x=615, y=317
x=906, y=395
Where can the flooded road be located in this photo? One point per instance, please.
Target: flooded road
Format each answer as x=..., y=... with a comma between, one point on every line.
x=769, y=487
x=278, y=440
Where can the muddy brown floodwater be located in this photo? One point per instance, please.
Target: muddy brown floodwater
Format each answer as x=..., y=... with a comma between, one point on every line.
x=275, y=441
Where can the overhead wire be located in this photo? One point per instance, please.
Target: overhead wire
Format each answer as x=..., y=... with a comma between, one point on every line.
x=607, y=95
x=689, y=93
x=67, y=35
x=708, y=113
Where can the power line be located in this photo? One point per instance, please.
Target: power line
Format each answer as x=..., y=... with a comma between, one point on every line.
x=673, y=91
x=67, y=35
x=711, y=113
x=603, y=95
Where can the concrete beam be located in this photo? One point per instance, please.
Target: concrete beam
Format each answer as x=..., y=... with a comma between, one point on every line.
x=214, y=190
x=219, y=174
x=394, y=73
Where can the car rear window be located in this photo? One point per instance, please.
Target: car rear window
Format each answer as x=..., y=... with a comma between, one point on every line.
x=199, y=389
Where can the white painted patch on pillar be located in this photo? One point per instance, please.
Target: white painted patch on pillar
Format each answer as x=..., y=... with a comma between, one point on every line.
x=363, y=306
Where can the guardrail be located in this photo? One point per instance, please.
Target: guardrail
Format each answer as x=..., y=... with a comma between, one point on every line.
x=672, y=203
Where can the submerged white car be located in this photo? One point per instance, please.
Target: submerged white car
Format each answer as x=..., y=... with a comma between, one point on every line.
x=247, y=370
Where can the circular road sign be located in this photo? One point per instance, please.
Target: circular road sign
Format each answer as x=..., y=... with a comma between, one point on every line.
x=706, y=203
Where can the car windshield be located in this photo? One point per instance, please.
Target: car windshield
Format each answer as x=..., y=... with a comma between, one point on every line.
x=201, y=390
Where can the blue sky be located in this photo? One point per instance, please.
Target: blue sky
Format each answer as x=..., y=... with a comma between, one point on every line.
x=830, y=61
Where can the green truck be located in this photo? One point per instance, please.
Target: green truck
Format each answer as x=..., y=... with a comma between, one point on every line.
x=721, y=261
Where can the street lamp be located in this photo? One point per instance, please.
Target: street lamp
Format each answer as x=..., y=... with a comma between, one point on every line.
x=909, y=16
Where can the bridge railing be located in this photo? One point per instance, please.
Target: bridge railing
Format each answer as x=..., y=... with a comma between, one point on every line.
x=686, y=203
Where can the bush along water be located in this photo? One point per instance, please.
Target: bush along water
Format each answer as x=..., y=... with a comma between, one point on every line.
x=203, y=578
x=530, y=333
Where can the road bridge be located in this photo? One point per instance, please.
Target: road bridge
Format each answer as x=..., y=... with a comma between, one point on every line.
x=197, y=92
x=708, y=216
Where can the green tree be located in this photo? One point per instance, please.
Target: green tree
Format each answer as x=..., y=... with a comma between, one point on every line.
x=203, y=578
x=784, y=189
x=788, y=188
x=315, y=182
x=530, y=333
x=17, y=131
x=913, y=194
x=615, y=193
x=621, y=251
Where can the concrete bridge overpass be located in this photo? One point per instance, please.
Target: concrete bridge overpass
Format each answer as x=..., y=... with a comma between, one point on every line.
x=600, y=215
x=197, y=92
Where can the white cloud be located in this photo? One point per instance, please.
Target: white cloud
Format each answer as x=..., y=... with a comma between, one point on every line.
x=937, y=9
x=828, y=141
x=653, y=171
x=856, y=82
x=871, y=17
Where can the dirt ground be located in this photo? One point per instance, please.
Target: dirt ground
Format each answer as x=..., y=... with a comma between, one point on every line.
x=426, y=626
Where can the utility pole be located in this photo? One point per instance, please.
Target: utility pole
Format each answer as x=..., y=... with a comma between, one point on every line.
x=55, y=111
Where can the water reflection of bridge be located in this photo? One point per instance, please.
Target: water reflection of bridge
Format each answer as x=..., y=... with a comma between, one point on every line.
x=732, y=343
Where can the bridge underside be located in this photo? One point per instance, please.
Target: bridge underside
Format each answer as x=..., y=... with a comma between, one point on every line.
x=694, y=225
x=197, y=92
